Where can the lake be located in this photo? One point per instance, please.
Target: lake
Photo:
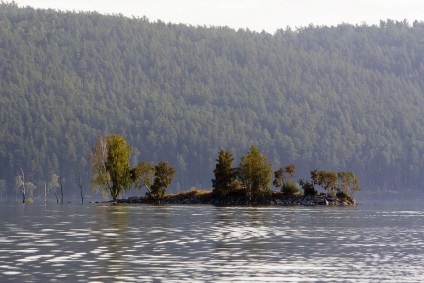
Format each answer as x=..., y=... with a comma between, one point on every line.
x=146, y=243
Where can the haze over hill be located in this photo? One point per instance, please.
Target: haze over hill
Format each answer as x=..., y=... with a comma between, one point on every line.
x=340, y=98
x=256, y=15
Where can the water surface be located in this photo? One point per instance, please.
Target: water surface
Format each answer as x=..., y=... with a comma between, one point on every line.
x=143, y=243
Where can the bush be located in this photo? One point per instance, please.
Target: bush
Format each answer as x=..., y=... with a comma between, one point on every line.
x=290, y=188
x=343, y=196
x=308, y=188
x=193, y=193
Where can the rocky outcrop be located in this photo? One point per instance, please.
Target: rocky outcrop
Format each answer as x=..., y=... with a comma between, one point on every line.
x=190, y=199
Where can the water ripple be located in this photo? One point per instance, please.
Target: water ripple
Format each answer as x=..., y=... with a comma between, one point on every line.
x=103, y=243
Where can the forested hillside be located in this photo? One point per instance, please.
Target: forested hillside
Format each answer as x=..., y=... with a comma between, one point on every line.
x=336, y=98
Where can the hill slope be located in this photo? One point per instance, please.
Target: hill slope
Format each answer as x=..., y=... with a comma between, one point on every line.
x=340, y=98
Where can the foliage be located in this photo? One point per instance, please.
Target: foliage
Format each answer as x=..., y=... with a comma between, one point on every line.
x=308, y=188
x=164, y=173
x=325, y=179
x=345, y=197
x=284, y=175
x=143, y=175
x=54, y=185
x=348, y=183
x=225, y=174
x=336, y=182
x=352, y=95
x=110, y=165
x=101, y=179
x=290, y=188
x=255, y=173
x=193, y=193
x=283, y=179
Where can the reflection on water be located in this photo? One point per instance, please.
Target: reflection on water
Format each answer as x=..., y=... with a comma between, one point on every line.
x=141, y=243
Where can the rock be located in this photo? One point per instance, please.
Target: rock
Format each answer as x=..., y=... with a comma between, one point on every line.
x=323, y=202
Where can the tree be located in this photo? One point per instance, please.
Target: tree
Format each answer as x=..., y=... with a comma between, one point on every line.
x=325, y=179
x=255, y=172
x=54, y=184
x=283, y=179
x=343, y=183
x=25, y=187
x=110, y=165
x=225, y=174
x=30, y=188
x=20, y=183
x=347, y=182
x=3, y=187
x=61, y=189
x=164, y=173
x=79, y=176
x=143, y=175
x=308, y=188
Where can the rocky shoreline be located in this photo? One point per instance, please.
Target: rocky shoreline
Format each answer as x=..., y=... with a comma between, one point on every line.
x=189, y=199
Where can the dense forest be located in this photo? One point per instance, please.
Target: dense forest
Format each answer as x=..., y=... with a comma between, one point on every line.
x=346, y=97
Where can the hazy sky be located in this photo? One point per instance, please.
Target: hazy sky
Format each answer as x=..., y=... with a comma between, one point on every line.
x=257, y=15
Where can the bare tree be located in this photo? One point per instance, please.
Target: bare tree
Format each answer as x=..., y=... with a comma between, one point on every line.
x=3, y=188
x=79, y=176
x=61, y=189
x=53, y=185
x=22, y=180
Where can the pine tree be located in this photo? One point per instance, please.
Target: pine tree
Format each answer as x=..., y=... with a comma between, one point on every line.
x=224, y=174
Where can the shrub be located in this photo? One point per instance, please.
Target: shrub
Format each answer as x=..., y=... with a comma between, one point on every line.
x=289, y=188
x=343, y=196
x=308, y=188
x=193, y=193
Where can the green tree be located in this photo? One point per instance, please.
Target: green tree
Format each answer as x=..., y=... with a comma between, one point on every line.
x=255, y=172
x=342, y=183
x=164, y=173
x=143, y=175
x=110, y=165
x=325, y=179
x=225, y=174
x=308, y=188
x=347, y=183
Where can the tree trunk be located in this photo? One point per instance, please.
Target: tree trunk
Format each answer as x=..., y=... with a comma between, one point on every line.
x=23, y=185
x=82, y=196
x=61, y=189
x=55, y=194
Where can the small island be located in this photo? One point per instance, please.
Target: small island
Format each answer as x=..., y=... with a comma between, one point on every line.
x=197, y=196
x=247, y=184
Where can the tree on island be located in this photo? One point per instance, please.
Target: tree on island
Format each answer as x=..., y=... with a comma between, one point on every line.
x=143, y=176
x=110, y=165
x=164, y=173
x=283, y=179
x=225, y=174
x=308, y=188
x=347, y=185
x=340, y=184
x=326, y=179
x=255, y=173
